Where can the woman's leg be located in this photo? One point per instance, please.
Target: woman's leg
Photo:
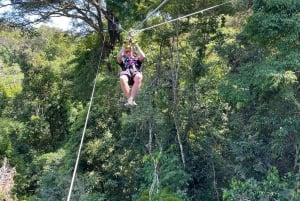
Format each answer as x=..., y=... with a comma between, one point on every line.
x=136, y=86
x=124, y=85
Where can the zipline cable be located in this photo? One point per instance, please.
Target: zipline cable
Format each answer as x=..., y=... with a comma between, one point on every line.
x=152, y=12
x=200, y=11
x=133, y=31
x=85, y=125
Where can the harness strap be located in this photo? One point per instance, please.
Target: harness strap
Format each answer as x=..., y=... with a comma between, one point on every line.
x=131, y=64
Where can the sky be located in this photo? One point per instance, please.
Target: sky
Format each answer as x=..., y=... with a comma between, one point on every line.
x=2, y=10
x=62, y=23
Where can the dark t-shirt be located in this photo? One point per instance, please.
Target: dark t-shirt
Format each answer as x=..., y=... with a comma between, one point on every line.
x=130, y=67
x=131, y=63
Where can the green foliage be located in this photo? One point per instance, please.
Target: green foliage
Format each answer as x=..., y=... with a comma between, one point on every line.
x=220, y=100
x=38, y=134
x=41, y=104
x=6, y=126
x=44, y=99
x=270, y=80
x=92, y=197
x=271, y=188
x=164, y=195
x=172, y=178
x=48, y=178
x=274, y=23
x=10, y=72
x=263, y=95
x=86, y=65
x=11, y=80
x=3, y=98
x=261, y=89
x=10, y=130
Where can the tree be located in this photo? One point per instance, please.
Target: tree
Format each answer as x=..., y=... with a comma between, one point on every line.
x=191, y=124
x=270, y=188
x=263, y=94
x=88, y=15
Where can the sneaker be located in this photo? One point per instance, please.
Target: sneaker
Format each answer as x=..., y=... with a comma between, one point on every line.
x=129, y=104
x=134, y=103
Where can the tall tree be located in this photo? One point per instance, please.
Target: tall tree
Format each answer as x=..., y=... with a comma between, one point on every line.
x=87, y=15
x=98, y=16
x=263, y=93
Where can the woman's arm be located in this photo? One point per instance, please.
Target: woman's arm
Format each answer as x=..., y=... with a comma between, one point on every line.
x=120, y=55
x=140, y=52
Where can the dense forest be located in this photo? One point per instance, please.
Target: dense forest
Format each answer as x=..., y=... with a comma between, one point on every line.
x=218, y=115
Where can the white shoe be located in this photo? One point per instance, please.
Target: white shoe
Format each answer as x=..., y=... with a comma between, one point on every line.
x=130, y=104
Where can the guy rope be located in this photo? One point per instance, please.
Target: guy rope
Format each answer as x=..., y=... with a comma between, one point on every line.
x=179, y=18
x=85, y=125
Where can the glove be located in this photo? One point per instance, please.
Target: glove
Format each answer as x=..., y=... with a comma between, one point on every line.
x=134, y=44
x=127, y=45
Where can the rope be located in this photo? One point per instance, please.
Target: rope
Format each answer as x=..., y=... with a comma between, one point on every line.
x=185, y=16
x=152, y=12
x=85, y=125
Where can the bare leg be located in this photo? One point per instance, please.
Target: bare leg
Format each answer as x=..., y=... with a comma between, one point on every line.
x=136, y=86
x=124, y=85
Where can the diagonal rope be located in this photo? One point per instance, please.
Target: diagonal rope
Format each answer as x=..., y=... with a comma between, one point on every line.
x=185, y=16
x=152, y=12
x=85, y=125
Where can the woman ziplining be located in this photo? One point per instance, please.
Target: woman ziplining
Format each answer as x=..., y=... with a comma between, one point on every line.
x=130, y=58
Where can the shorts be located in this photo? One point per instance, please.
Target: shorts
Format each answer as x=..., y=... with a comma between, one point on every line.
x=130, y=74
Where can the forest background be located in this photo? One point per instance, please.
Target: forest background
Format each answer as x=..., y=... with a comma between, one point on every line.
x=217, y=116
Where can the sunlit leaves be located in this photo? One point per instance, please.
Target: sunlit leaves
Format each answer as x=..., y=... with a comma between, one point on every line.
x=233, y=98
x=272, y=187
x=270, y=79
x=275, y=23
